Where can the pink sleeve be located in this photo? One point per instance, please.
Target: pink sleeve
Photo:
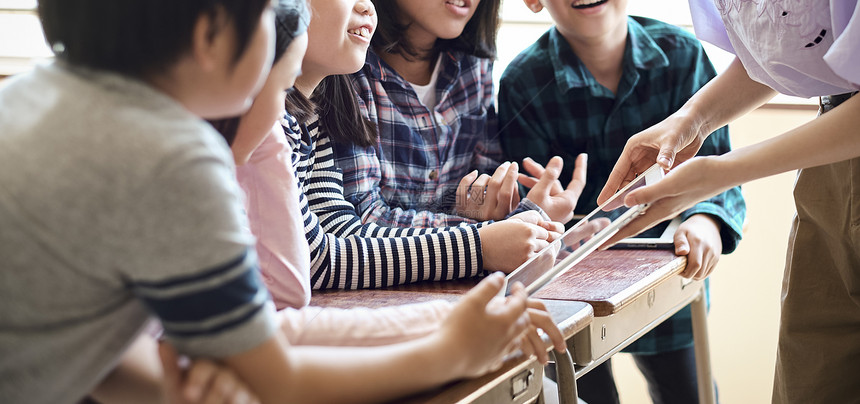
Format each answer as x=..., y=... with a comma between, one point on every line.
x=708, y=24
x=844, y=55
x=272, y=195
x=362, y=326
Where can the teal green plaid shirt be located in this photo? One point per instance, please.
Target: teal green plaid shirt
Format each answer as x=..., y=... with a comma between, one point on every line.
x=550, y=104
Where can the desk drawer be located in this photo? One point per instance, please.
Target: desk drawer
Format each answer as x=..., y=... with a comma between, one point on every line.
x=609, y=334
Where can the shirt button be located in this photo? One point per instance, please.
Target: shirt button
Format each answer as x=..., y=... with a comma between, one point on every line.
x=433, y=175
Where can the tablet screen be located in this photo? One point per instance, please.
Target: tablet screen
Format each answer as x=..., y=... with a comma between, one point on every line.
x=584, y=237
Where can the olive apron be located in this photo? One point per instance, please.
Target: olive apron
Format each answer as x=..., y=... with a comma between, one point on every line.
x=818, y=355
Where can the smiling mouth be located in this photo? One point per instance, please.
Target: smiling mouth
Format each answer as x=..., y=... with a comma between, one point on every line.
x=581, y=4
x=363, y=32
x=456, y=3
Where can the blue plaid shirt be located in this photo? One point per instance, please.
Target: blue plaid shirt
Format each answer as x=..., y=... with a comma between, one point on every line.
x=550, y=104
x=409, y=178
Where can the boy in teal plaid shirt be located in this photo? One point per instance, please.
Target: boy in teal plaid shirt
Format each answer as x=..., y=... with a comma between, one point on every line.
x=588, y=84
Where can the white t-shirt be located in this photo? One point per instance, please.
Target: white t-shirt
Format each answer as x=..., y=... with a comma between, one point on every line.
x=427, y=93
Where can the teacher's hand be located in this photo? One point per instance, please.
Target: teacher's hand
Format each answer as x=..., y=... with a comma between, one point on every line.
x=671, y=142
x=689, y=183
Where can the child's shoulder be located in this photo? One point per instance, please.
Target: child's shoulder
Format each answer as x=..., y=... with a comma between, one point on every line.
x=535, y=57
x=665, y=34
x=115, y=123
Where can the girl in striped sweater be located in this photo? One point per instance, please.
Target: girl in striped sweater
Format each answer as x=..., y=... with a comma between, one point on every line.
x=344, y=252
x=278, y=162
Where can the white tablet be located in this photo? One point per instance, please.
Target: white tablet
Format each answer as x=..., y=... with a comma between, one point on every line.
x=661, y=236
x=584, y=237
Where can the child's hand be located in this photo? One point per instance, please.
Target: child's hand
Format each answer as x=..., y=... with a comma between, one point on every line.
x=546, y=190
x=477, y=334
x=531, y=342
x=699, y=239
x=489, y=198
x=508, y=243
x=203, y=381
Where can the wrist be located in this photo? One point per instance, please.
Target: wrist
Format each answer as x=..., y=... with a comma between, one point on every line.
x=694, y=119
x=441, y=356
x=484, y=234
x=729, y=174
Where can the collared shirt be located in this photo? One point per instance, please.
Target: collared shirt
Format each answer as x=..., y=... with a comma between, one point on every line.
x=550, y=104
x=410, y=178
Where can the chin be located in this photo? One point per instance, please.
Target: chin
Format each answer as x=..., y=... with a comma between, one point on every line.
x=450, y=32
x=355, y=64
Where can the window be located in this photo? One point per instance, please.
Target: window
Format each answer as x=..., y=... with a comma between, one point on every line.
x=22, y=43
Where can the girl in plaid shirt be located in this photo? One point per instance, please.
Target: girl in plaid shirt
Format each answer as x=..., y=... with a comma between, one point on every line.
x=426, y=88
x=299, y=166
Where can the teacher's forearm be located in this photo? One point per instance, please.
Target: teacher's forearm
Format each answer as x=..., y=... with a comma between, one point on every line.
x=727, y=97
x=828, y=139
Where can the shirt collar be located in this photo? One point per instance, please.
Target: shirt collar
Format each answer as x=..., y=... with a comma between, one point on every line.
x=641, y=53
x=379, y=70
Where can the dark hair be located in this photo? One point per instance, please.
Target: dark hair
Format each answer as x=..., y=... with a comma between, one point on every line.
x=340, y=116
x=291, y=20
x=138, y=37
x=478, y=37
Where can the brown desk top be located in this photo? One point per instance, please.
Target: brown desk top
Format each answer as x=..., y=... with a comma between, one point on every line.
x=404, y=294
x=609, y=280
x=571, y=317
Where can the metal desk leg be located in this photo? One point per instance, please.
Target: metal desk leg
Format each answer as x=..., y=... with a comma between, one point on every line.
x=566, y=376
x=707, y=395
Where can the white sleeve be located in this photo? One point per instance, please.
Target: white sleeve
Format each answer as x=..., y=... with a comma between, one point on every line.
x=844, y=55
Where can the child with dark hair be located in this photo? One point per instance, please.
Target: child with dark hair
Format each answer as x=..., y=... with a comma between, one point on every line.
x=278, y=165
x=433, y=160
x=344, y=252
x=119, y=203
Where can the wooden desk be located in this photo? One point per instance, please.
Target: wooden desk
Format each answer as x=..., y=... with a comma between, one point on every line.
x=632, y=291
x=520, y=380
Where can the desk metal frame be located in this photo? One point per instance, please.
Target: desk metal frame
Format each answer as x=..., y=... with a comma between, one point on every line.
x=609, y=334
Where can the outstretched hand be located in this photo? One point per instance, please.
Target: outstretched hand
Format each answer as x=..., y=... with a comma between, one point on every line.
x=680, y=189
x=547, y=191
x=669, y=143
x=482, y=332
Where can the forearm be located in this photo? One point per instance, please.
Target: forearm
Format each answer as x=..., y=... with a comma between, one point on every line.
x=281, y=374
x=830, y=138
x=137, y=378
x=361, y=326
x=362, y=262
x=725, y=98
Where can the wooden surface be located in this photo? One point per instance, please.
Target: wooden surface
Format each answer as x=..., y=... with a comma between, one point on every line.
x=571, y=317
x=404, y=294
x=609, y=280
